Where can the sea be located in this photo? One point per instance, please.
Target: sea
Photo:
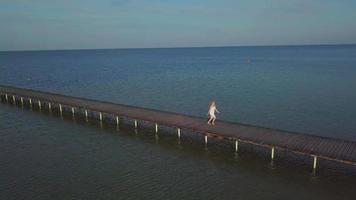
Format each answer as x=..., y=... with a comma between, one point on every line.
x=309, y=89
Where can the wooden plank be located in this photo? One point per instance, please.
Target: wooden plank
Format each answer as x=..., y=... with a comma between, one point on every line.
x=331, y=148
x=319, y=148
x=308, y=144
x=301, y=143
x=352, y=147
x=338, y=153
x=344, y=152
x=311, y=145
x=352, y=154
x=347, y=150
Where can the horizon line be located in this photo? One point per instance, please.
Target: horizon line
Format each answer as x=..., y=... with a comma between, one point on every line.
x=181, y=47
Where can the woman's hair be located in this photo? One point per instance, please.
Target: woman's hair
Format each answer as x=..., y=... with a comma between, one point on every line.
x=212, y=103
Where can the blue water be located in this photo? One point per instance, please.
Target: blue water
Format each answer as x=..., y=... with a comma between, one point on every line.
x=308, y=89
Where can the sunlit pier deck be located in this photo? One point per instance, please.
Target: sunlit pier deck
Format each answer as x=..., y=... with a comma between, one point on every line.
x=338, y=150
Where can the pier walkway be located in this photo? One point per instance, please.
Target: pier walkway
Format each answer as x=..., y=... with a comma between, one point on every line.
x=315, y=146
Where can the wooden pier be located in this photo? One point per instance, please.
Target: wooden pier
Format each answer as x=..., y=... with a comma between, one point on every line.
x=334, y=149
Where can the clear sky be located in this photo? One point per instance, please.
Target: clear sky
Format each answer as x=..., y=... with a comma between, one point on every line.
x=83, y=24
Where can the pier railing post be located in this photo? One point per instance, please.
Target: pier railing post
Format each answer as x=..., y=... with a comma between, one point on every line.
x=272, y=153
x=315, y=159
x=178, y=133
x=236, y=145
x=86, y=114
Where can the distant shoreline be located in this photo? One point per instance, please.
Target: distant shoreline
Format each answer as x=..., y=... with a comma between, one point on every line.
x=192, y=47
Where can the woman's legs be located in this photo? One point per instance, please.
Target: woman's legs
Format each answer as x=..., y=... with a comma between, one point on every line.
x=209, y=121
x=213, y=120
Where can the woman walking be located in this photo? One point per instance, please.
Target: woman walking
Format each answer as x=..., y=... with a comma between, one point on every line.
x=211, y=113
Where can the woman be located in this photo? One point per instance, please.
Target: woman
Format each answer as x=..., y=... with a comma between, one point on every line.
x=211, y=113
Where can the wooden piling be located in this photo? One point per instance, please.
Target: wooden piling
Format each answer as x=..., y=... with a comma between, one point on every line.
x=178, y=133
x=156, y=127
x=315, y=162
x=272, y=153
x=117, y=120
x=236, y=146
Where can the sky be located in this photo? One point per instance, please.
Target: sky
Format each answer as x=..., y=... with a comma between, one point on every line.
x=98, y=24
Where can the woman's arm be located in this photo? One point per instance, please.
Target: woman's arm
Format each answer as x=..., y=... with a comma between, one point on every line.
x=217, y=110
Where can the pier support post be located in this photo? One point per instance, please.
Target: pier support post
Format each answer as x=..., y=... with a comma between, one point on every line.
x=236, y=146
x=100, y=116
x=117, y=120
x=49, y=107
x=156, y=127
x=60, y=108
x=30, y=101
x=272, y=153
x=86, y=114
x=6, y=98
x=178, y=133
x=135, y=124
x=73, y=111
x=13, y=99
x=315, y=162
x=21, y=101
x=39, y=104
x=206, y=139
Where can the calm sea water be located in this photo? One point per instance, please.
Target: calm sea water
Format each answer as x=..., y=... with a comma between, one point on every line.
x=308, y=89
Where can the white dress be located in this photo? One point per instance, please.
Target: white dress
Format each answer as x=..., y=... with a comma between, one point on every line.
x=212, y=112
